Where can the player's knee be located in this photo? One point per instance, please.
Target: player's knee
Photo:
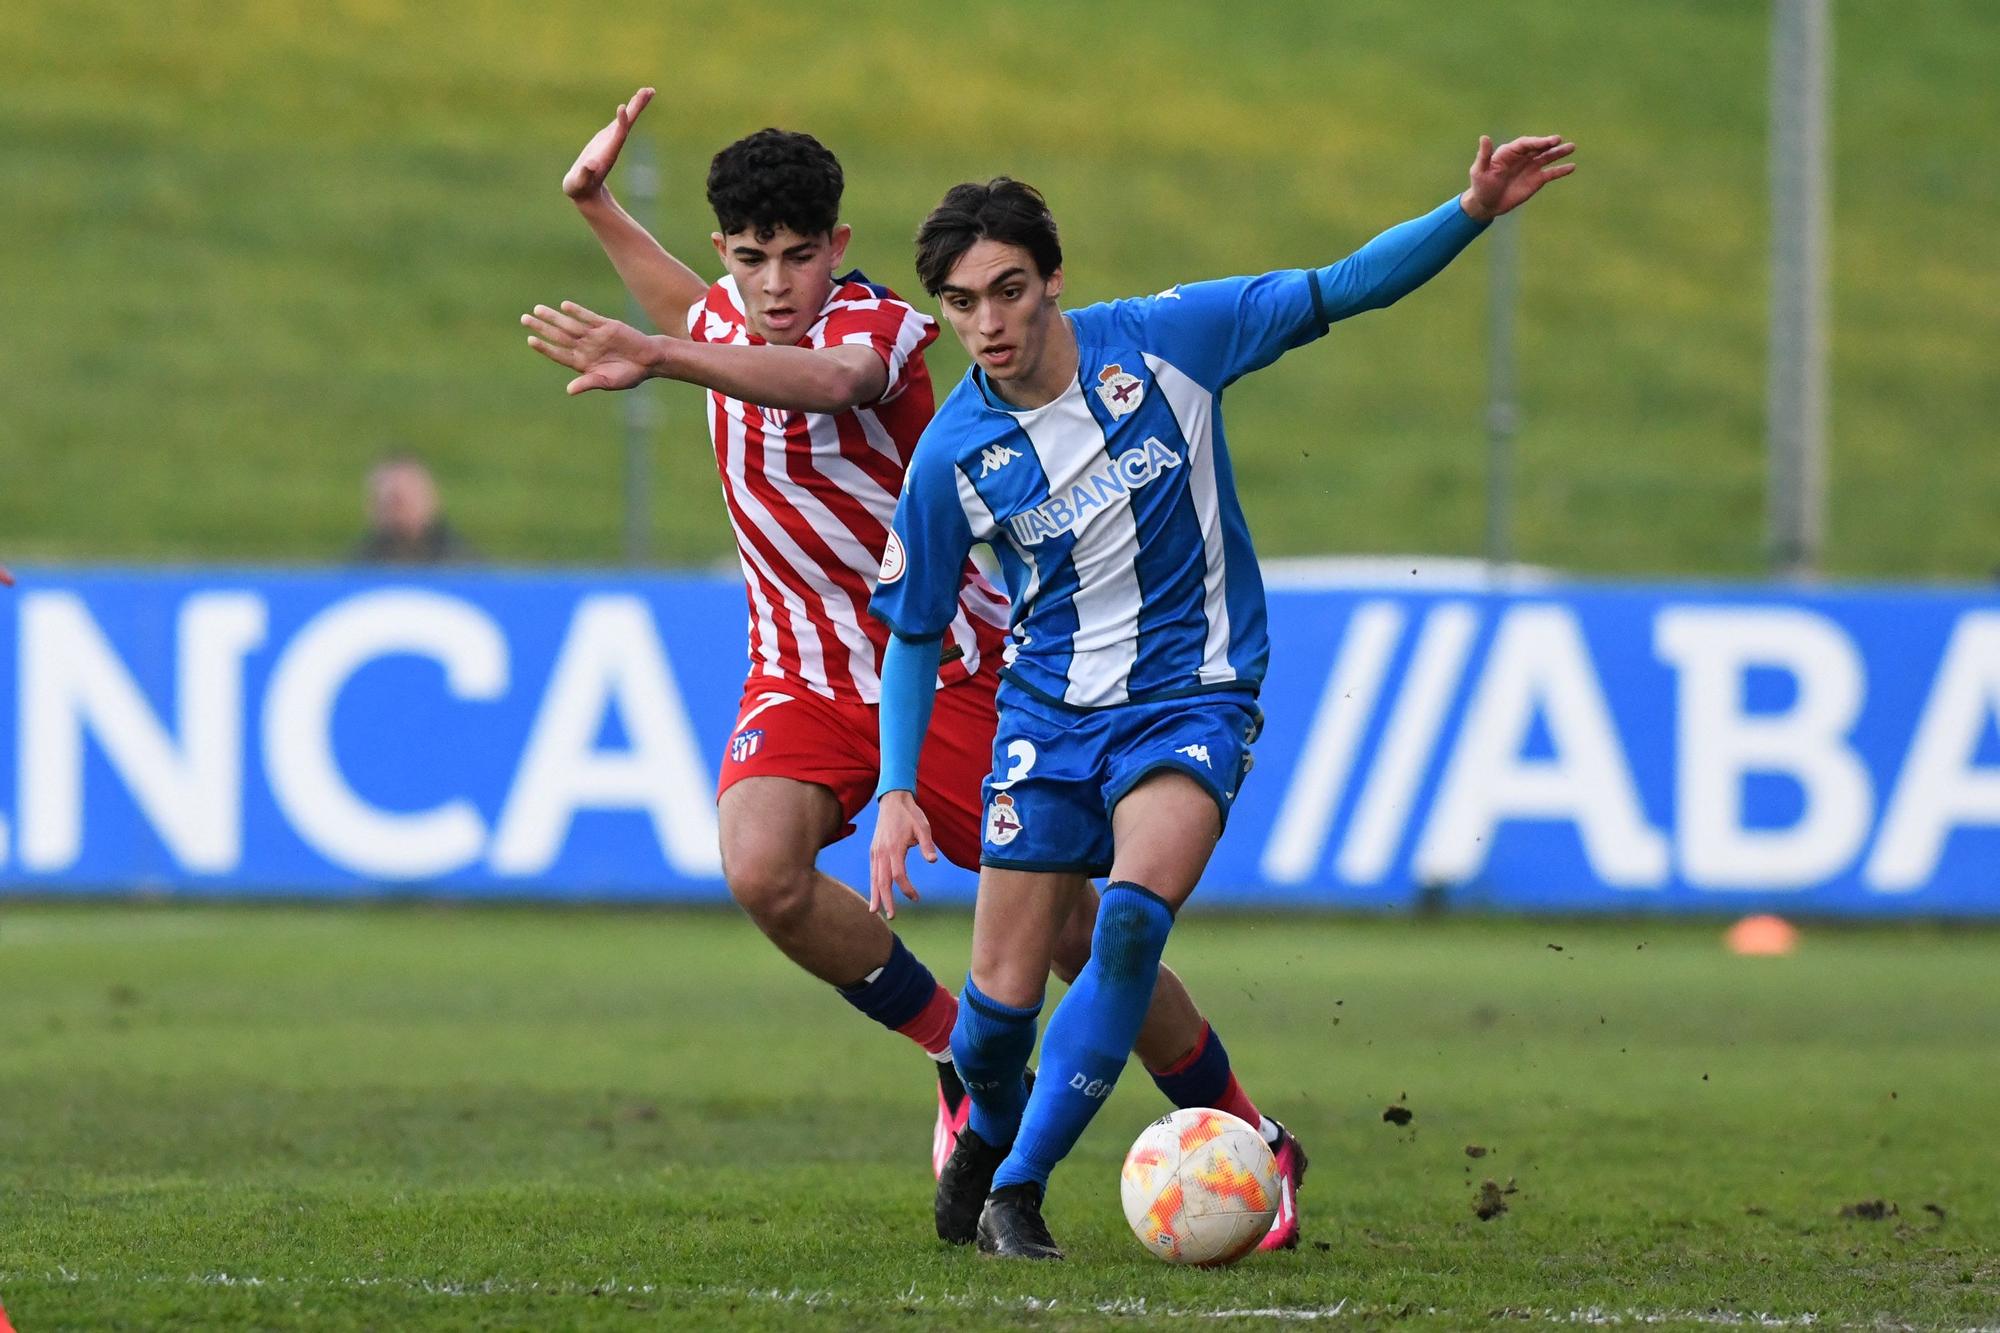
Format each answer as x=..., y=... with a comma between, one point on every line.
x=1131, y=931
x=776, y=894
x=1072, y=950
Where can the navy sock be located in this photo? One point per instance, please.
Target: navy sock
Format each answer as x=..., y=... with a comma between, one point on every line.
x=1202, y=1078
x=897, y=992
x=1092, y=1031
x=991, y=1044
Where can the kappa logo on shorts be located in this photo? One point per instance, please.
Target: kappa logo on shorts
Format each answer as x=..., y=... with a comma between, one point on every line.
x=745, y=743
x=1003, y=821
x=1120, y=391
x=1199, y=752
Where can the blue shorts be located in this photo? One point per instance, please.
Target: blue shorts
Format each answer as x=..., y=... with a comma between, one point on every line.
x=1058, y=772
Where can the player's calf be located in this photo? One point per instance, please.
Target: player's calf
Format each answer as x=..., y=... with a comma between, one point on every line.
x=990, y=1046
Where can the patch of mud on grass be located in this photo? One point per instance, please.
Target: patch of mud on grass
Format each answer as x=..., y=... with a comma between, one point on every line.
x=1871, y=1210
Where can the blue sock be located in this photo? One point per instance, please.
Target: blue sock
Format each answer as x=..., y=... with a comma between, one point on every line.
x=1092, y=1031
x=896, y=992
x=990, y=1045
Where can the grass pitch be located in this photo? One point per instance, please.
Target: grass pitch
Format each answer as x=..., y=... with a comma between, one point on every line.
x=415, y=1118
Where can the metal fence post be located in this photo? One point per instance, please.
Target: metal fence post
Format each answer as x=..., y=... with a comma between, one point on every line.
x=1796, y=402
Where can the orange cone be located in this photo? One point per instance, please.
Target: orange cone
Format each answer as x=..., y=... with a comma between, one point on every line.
x=5, y=1327
x=1762, y=937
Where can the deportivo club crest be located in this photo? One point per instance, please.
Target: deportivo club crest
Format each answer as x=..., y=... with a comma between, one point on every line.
x=1121, y=392
x=1003, y=822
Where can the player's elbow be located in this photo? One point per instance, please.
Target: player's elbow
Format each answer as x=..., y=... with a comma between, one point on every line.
x=852, y=383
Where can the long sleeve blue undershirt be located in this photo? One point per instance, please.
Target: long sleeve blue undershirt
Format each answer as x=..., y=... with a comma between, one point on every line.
x=909, y=688
x=1397, y=262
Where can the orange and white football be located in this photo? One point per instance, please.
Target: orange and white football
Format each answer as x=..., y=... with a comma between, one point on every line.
x=1200, y=1187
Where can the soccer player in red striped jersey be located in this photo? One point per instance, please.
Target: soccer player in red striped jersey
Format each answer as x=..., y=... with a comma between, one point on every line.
x=817, y=393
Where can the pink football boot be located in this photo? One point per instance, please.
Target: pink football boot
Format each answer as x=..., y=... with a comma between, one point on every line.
x=1284, y=1232
x=954, y=1107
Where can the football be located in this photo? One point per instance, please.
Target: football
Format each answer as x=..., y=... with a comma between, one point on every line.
x=1200, y=1187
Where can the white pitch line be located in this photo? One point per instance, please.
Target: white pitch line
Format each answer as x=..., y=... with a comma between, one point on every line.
x=1131, y=1306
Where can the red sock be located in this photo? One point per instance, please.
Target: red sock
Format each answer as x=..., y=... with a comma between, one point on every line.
x=931, y=1028
x=1237, y=1102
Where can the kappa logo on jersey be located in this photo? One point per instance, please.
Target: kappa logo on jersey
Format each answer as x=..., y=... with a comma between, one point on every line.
x=1116, y=479
x=1003, y=822
x=893, y=561
x=994, y=457
x=1121, y=392
x=1199, y=752
x=745, y=743
x=1172, y=293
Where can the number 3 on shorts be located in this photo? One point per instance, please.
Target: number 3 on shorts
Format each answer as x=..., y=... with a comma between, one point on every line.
x=1021, y=761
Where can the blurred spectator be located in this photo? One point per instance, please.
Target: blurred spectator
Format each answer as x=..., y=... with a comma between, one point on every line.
x=406, y=526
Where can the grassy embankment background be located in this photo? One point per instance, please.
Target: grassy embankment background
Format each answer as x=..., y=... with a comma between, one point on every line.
x=249, y=245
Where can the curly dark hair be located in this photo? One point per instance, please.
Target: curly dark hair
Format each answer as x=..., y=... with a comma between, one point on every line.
x=773, y=179
x=1003, y=209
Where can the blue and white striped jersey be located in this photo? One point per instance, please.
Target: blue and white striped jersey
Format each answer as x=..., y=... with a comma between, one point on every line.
x=1113, y=509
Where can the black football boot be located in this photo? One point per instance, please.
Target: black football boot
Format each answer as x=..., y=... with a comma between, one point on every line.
x=963, y=1184
x=1011, y=1226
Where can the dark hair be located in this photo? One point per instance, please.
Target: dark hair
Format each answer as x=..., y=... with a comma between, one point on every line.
x=773, y=179
x=1004, y=210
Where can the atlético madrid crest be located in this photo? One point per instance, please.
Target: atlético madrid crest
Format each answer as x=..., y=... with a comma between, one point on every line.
x=1121, y=392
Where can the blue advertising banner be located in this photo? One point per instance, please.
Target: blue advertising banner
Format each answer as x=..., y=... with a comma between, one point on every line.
x=1553, y=748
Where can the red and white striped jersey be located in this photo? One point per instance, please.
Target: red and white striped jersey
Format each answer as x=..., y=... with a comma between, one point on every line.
x=811, y=495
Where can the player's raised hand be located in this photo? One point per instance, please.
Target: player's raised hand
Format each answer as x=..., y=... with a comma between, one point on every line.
x=605, y=353
x=594, y=163
x=899, y=826
x=1506, y=177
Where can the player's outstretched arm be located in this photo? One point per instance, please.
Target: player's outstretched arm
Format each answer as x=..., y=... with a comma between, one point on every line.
x=1220, y=331
x=663, y=286
x=1410, y=254
x=607, y=354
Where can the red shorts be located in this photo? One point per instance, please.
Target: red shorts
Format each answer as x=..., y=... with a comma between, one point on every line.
x=784, y=730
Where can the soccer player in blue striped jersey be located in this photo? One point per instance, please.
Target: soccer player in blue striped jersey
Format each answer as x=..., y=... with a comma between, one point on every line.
x=1087, y=449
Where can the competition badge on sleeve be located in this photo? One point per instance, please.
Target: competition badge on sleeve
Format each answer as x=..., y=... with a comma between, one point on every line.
x=892, y=559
